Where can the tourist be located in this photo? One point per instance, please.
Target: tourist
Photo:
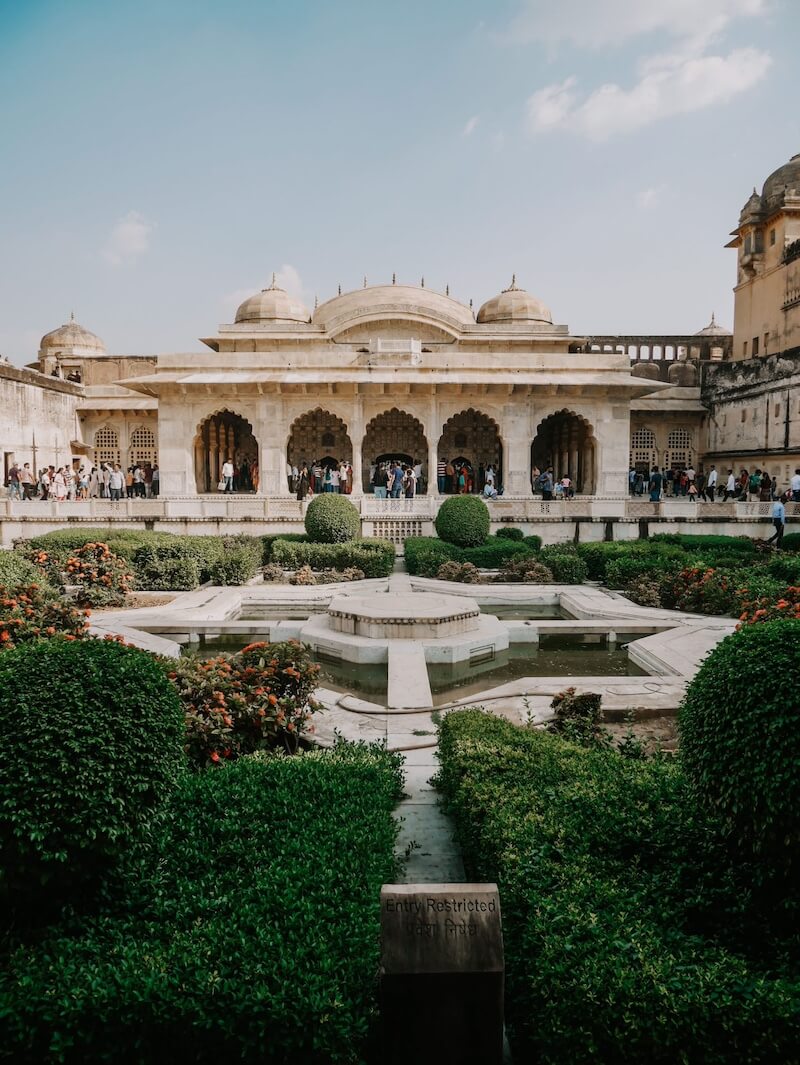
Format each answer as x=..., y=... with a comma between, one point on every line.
x=794, y=484
x=116, y=482
x=290, y=476
x=396, y=480
x=380, y=481
x=345, y=478
x=546, y=484
x=462, y=480
x=566, y=488
x=489, y=491
x=60, y=485
x=226, y=479
x=83, y=483
x=690, y=474
x=148, y=480
x=155, y=481
x=693, y=492
x=317, y=473
x=535, y=475
x=417, y=468
x=631, y=480
x=255, y=474
x=730, y=486
x=14, y=490
x=441, y=474
x=656, y=481
x=778, y=520
x=105, y=487
x=490, y=477
x=449, y=478
x=765, y=495
x=26, y=480
x=410, y=482
x=711, y=485
x=138, y=482
x=669, y=480
x=335, y=480
x=44, y=483
x=302, y=482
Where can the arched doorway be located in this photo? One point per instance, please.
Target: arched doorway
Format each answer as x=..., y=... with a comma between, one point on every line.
x=226, y=435
x=472, y=439
x=318, y=436
x=565, y=441
x=395, y=434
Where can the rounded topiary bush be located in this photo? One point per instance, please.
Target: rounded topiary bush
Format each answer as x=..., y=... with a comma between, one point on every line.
x=740, y=740
x=91, y=742
x=332, y=519
x=463, y=521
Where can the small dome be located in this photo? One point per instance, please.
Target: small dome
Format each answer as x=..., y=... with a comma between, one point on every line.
x=649, y=370
x=785, y=178
x=272, y=304
x=682, y=373
x=71, y=338
x=514, y=305
x=713, y=330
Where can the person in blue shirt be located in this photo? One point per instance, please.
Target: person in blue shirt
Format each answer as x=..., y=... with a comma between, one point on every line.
x=656, y=480
x=778, y=520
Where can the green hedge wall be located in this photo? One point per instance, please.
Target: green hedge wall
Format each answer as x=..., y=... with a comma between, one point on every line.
x=621, y=930
x=248, y=931
x=375, y=557
x=15, y=571
x=424, y=554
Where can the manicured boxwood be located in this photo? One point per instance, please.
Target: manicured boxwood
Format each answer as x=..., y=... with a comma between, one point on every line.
x=791, y=542
x=332, y=519
x=91, y=743
x=424, y=554
x=375, y=557
x=567, y=567
x=269, y=540
x=239, y=560
x=247, y=931
x=166, y=567
x=463, y=521
x=509, y=532
x=740, y=741
x=622, y=930
x=620, y=571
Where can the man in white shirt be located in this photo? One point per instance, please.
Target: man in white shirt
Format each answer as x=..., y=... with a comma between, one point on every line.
x=116, y=482
x=730, y=487
x=227, y=475
x=711, y=485
x=794, y=484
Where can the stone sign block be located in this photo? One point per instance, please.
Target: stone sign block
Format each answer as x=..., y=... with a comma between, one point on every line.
x=441, y=974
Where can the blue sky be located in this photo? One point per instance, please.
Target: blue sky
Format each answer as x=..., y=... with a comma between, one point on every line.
x=160, y=158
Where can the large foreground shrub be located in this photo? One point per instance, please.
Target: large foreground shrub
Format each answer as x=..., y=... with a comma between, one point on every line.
x=91, y=737
x=616, y=912
x=249, y=931
x=463, y=521
x=740, y=740
x=374, y=557
x=332, y=519
x=257, y=698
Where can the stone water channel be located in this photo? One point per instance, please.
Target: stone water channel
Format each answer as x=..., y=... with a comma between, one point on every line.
x=438, y=646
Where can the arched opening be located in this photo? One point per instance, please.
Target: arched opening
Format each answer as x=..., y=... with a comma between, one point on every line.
x=106, y=446
x=392, y=436
x=226, y=435
x=565, y=442
x=470, y=441
x=318, y=437
x=142, y=451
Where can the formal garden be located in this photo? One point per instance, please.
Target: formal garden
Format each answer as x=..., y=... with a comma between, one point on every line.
x=188, y=875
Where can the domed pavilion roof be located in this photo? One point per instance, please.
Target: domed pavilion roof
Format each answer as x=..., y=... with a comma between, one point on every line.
x=713, y=329
x=71, y=338
x=514, y=305
x=272, y=304
x=786, y=177
x=388, y=301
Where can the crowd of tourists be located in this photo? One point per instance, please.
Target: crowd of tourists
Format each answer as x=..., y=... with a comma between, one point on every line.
x=76, y=482
x=711, y=487
x=239, y=475
x=317, y=477
x=459, y=477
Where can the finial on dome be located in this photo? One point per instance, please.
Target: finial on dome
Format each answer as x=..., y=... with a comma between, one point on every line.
x=72, y=316
x=365, y=280
x=422, y=282
x=316, y=301
x=470, y=304
x=513, y=286
x=340, y=288
x=713, y=318
x=273, y=284
x=394, y=278
x=447, y=289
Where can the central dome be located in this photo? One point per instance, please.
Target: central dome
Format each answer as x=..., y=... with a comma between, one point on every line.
x=272, y=304
x=514, y=305
x=388, y=301
x=71, y=338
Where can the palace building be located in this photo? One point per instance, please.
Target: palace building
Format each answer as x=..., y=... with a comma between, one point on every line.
x=402, y=371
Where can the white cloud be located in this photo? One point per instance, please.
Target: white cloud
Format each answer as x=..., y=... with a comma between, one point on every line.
x=672, y=84
x=469, y=128
x=649, y=198
x=129, y=239
x=591, y=24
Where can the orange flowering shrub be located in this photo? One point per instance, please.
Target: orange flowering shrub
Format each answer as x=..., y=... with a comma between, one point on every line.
x=102, y=578
x=767, y=608
x=258, y=698
x=28, y=612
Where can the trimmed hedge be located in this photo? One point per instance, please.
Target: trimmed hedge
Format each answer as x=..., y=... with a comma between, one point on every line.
x=332, y=519
x=424, y=554
x=166, y=567
x=375, y=557
x=463, y=521
x=616, y=909
x=91, y=742
x=247, y=931
x=268, y=541
x=791, y=542
x=740, y=740
x=508, y=532
x=17, y=571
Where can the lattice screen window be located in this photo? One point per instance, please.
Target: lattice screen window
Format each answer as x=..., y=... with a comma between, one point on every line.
x=679, y=449
x=106, y=445
x=143, y=446
x=643, y=448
